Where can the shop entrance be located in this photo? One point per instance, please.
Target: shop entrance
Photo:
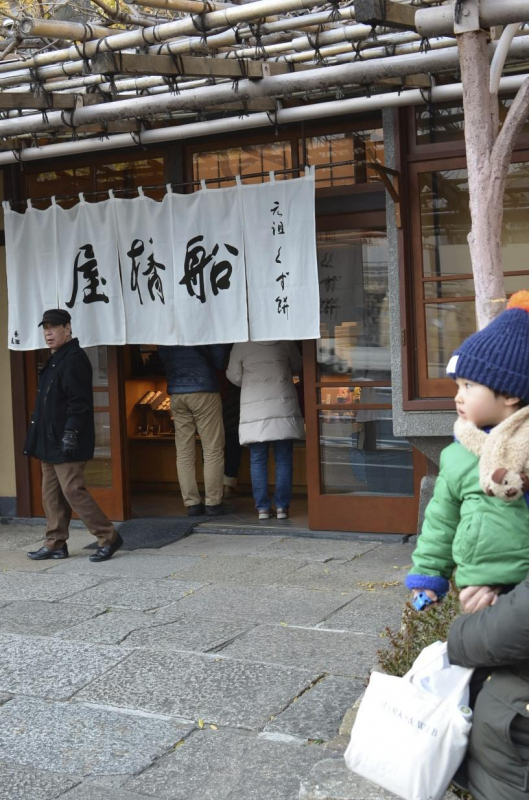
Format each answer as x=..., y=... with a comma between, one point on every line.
x=154, y=489
x=360, y=476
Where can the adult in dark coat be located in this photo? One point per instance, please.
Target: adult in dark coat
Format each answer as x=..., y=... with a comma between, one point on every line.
x=497, y=638
x=62, y=437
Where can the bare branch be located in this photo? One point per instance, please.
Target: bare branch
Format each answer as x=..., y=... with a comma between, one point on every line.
x=514, y=122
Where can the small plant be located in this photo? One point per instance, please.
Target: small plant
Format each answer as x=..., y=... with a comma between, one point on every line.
x=417, y=631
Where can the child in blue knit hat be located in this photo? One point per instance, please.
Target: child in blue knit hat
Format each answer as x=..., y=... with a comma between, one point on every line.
x=477, y=523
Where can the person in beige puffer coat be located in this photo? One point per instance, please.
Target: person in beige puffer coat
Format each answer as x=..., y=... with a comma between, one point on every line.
x=270, y=415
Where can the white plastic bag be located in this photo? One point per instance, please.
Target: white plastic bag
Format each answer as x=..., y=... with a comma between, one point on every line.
x=410, y=735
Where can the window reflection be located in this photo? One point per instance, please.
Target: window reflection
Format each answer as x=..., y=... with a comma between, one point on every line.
x=360, y=455
x=362, y=148
x=98, y=471
x=242, y=161
x=448, y=285
x=354, y=303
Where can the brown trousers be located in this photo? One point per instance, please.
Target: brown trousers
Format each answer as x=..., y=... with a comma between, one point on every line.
x=63, y=489
x=202, y=412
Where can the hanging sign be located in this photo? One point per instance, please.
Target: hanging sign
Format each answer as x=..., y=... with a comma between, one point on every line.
x=146, y=258
x=89, y=284
x=177, y=271
x=281, y=262
x=210, y=279
x=31, y=273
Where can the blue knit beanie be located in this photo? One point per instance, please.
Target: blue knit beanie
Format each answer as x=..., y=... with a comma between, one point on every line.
x=498, y=355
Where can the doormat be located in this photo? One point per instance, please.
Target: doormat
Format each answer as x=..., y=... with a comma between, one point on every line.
x=153, y=532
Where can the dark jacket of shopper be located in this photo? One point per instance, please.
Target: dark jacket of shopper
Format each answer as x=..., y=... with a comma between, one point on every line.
x=498, y=638
x=193, y=369
x=64, y=402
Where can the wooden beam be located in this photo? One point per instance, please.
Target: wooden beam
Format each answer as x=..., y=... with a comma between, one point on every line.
x=385, y=13
x=20, y=100
x=191, y=66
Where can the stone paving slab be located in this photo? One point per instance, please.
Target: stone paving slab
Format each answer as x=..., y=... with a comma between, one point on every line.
x=226, y=765
x=17, y=586
x=259, y=604
x=383, y=565
x=196, y=687
x=370, y=612
x=241, y=570
x=87, y=791
x=18, y=561
x=36, y=618
x=203, y=544
x=318, y=713
x=80, y=740
x=316, y=549
x=108, y=628
x=140, y=595
x=127, y=565
x=337, y=652
x=199, y=635
x=331, y=780
x=51, y=668
x=13, y=537
x=30, y=784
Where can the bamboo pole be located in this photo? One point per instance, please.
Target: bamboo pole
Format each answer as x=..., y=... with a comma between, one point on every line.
x=60, y=29
x=189, y=26
x=411, y=97
x=188, y=6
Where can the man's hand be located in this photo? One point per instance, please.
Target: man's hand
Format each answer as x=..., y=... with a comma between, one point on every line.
x=69, y=443
x=475, y=598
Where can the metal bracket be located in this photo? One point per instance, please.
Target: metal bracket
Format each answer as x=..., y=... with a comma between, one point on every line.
x=392, y=186
x=469, y=18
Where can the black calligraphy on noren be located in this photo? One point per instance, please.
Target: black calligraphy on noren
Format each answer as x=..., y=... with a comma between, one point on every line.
x=90, y=274
x=154, y=282
x=197, y=259
x=282, y=278
x=282, y=305
x=15, y=339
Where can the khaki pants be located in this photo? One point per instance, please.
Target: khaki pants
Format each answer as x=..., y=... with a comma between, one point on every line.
x=202, y=412
x=63, y=489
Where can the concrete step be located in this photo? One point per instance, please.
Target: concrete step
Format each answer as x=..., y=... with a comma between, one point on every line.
x=331, y=780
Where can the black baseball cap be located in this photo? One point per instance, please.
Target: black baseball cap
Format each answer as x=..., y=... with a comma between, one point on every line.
x=55, y=316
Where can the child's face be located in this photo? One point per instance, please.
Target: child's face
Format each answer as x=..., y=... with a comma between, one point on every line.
x=478, y=404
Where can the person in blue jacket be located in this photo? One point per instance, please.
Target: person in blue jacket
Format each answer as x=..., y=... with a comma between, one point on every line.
x=196, y=406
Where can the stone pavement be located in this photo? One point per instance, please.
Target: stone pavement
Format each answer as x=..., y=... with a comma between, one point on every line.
x=219, y=667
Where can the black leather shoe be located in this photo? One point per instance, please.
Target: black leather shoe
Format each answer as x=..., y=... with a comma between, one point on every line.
x=218, y=510
x=106, y=552
x=195, y=511
x=46, y=552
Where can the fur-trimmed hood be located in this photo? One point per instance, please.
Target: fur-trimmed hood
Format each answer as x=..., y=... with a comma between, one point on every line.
x=503, y=454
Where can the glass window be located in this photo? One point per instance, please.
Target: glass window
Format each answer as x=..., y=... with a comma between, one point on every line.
x=360, y=455
x=59, y=182
x=130, y=174
x=246, y=160
x=448, y=286
x=363, y=148
x=98, y=471
x=444, y=122
x=354, y=305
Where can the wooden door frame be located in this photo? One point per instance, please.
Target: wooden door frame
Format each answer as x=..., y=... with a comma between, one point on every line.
x=384, y=514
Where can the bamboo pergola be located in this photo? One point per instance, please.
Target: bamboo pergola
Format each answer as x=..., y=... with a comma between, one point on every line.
x=106, y=73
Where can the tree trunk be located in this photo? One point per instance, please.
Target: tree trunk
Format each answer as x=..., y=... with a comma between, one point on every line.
x=486, y=184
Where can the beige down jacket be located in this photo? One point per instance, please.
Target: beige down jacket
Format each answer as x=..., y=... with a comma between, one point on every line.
x=269, y=404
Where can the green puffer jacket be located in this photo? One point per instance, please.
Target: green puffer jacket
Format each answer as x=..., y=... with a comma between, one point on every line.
x=484, y=538
x=498, y=639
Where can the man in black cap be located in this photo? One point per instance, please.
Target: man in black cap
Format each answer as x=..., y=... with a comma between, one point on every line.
x=62, y=436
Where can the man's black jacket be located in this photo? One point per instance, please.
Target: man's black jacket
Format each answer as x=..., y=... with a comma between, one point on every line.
x=64, y=402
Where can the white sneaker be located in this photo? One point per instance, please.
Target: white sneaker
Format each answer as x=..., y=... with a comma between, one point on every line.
x=264, y=515
x=282, y=513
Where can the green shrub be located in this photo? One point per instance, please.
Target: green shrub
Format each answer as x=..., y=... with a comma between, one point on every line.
x=418, y=630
